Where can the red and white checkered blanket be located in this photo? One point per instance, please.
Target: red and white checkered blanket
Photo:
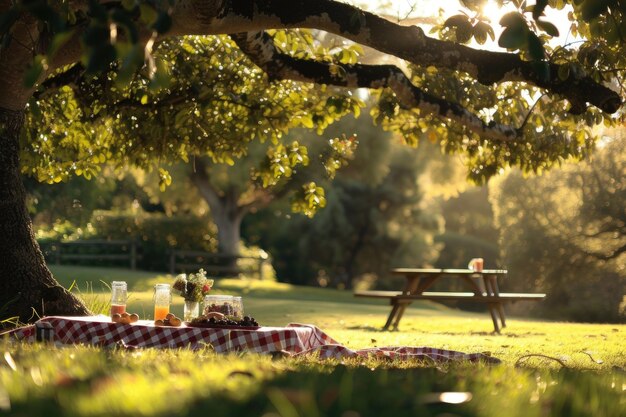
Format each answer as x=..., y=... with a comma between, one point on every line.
x=295, y=339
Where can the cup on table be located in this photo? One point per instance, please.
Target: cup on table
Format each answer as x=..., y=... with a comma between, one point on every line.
x=476, y=264
x=162, y=300
x=119, y=295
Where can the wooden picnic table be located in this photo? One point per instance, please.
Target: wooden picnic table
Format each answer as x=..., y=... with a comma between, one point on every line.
x=483, y=285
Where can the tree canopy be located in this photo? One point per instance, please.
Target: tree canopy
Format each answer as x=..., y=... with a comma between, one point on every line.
x=532, y=106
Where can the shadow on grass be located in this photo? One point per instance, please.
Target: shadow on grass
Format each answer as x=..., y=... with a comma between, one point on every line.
x=367, y=328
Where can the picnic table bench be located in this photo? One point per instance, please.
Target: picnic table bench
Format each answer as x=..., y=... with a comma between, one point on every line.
x=484, y=286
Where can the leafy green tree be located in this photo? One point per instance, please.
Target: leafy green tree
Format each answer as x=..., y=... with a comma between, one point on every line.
x=470, y=231
x=264, y=174
x=564, y=233
x=531, y=106
x=74, y=201
x=374, y=217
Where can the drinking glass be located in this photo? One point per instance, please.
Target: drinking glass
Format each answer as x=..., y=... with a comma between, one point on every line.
x=119, y=295
x=162, y=300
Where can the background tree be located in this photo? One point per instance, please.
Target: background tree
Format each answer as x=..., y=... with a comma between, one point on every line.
x=374, y=217
x=470, y=231
x=264, y=174
x=563, y=233
x=487, y=119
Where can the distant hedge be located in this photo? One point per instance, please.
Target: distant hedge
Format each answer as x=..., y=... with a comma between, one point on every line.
x=155, y=233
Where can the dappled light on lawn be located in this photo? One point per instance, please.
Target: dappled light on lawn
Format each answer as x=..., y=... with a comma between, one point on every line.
x=356, y=323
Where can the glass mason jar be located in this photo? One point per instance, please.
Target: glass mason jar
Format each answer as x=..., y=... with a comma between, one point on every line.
x=228, y=305
x=162, y=300
x=119, y=294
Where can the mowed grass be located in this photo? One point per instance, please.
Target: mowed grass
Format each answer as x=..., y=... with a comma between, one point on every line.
x=357, y=322
x=92, y=381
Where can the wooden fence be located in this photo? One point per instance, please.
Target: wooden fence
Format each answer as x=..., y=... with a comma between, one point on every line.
x=79, y=250
x=126, y=251
x=216, y=263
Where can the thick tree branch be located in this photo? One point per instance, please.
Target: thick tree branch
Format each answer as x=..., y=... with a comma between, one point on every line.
x=614, y=254
x=260, y=48
x=200, y=178
x=71, y=77
x=406, y=42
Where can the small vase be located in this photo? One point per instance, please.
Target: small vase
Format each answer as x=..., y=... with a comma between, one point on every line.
x=191, y=310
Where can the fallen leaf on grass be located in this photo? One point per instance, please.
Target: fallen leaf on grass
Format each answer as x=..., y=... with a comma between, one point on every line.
x=10, y=361
x=35, y=373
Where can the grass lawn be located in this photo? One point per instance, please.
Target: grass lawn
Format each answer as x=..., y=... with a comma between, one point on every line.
x=94, y=381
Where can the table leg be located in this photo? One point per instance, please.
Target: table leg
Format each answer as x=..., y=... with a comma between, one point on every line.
x=394, y=311
x=414, y=285
x=401, y=310
x=496, y=292
x=494, y=318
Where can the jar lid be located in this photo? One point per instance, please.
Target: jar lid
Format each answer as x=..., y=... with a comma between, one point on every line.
x=162, y=287
x=219, y=297
x=118, y=284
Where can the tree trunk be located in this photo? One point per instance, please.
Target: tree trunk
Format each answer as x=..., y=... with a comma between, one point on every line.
x=27, y=287
x=228, y=232
x=225, y=211
x=227, y=218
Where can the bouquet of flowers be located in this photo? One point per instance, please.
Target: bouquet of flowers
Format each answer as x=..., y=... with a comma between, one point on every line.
x=193, y=287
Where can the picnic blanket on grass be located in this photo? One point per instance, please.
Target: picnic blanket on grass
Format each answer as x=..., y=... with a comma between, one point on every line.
x=294, y=339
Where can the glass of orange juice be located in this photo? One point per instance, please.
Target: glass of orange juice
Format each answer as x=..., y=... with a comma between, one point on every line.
x=162, y=299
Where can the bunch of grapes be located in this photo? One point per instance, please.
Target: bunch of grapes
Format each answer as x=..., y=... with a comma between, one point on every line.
x=247, y=321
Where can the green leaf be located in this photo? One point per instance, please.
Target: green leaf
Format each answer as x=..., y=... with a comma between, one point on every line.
x=464, y=32
x=35, y=71
x=161, y=77
x=124, y=19
x=512, y=38
x=563, y=72
x=163, y=23
x=535, y=47
x=132, y=61
x=593, y=8
x=96, y=36
x=513, y=20
x=280, y=37
x=481, y=30
x=100, y=59
x=548, y=27
x=147, y=14
x=58, y=41
x=456, y=20
x=97, y=11
x=129, y=4
x=539, y=7
x=474, y=5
